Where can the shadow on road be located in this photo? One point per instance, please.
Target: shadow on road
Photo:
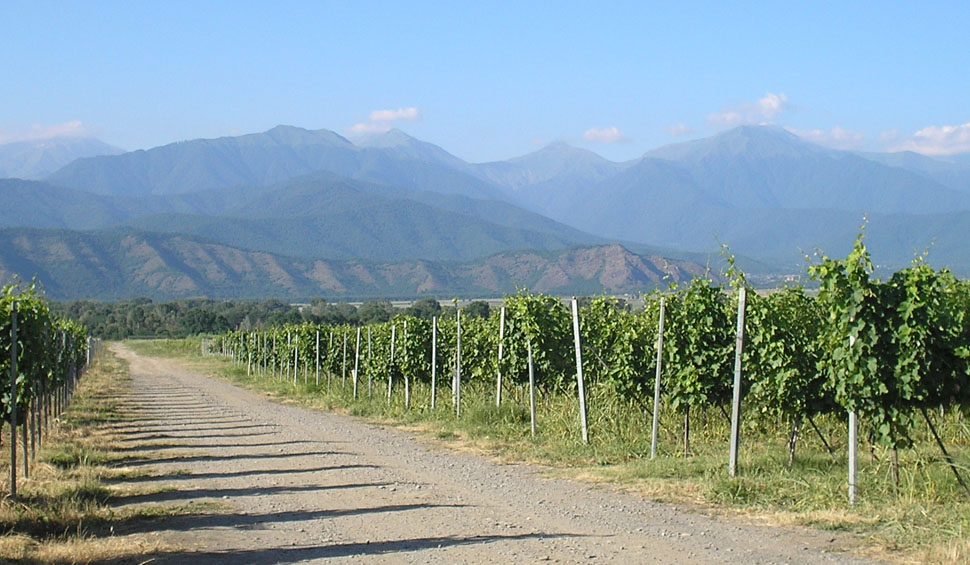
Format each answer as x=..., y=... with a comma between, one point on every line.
x=297, y=554
x=173, y=495
x=193, y=522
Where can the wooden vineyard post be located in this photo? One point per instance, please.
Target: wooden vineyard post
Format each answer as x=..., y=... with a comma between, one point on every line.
x=532, y=390
x=498, y=373
x=356, y=362
x=458, y=368
x=656, y=381
x=13, y=400
x=736, y=400
x=434, y=360
x=317, y=356
x=579, y=372
x=390, y=372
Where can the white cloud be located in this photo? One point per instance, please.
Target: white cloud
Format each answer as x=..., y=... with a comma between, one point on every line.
x=836, y=138
x=938, y=140
x=679, y=130
x=383, y=120
x=605, y=135
x=38, y=132
x=366, y=128
x=410, y=114
x=761, y=111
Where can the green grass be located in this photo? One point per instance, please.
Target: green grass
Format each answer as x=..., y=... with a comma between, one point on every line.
x=925, y=518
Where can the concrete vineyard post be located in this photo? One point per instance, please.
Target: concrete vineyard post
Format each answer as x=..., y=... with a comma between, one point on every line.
x=434, y=360
x=736, y=400
x=656, y=382
x=579, y=372
x=532, y=391
x=498, y=373
x=356, y=362
x=407, y=381
x=458, y=368
x=317, y=357
x=853, y=445
x=343, y=370
x=370, y=373
x=13, y=400
x=296, y=360
x=390, y=372
x=329, y=365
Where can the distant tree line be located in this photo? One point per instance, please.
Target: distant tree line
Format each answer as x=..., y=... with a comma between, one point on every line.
x=142, y=317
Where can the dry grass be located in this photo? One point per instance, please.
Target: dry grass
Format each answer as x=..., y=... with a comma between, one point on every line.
x=62, y=512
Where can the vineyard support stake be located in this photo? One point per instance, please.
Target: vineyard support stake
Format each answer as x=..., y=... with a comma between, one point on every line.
x=329, y=363
x=458, y=366
x=498, y=373
x=356, y=362
x=532, y=391
x=434, y=360
x=370, y=373
x=656, y=382
x=390, y=372
x=946, y=455
x=579, y=372
x=407, y=380
x=853, y=448
x=736, y=401
x=13, y=403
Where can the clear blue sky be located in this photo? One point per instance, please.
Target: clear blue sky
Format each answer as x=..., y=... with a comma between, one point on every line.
x=490, y=80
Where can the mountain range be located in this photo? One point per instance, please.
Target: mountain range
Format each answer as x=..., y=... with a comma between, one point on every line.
x=309, y=198
x=37, y=158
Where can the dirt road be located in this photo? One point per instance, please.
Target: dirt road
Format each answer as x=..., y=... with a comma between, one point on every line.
x=293, y=485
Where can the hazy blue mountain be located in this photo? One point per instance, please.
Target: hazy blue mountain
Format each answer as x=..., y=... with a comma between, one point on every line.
x=319, y=215
x=41, y=205
x=769, y=167
x=262, y=159
x=952, y=171
x=405, y=147
x=382, y=230
x=37, y=204
x=113, y=265
x=554, y=161
x=767, y=193
x=255, y=159
x=36, y=159
x=552, y=176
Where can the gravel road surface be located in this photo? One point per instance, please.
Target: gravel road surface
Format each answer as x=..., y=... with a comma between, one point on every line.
x=286, y=484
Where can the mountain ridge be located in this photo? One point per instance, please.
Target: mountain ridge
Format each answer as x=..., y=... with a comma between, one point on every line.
x=114, y=265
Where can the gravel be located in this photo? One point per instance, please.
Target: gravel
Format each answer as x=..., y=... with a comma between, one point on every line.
x=286, y=484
